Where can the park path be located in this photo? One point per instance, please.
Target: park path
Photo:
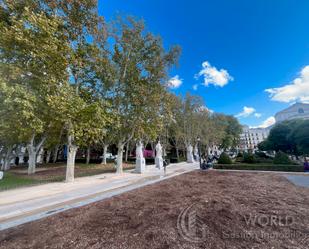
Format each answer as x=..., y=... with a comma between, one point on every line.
x=31, y=203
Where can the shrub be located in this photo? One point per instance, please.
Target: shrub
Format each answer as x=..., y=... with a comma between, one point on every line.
x=263, y=167
x=282, y=158
x=224, y=159
x=249, y=158
x=240, y=154
x=261, y=157
x=261, y=154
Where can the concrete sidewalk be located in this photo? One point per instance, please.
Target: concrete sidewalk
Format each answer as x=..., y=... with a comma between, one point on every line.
x=31, y=203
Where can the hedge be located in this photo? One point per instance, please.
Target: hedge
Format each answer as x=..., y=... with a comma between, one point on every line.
x=262, y=167
x=224, y=159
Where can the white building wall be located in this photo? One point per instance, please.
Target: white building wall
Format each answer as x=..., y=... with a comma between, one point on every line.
x=251, y=137
x=298, y=110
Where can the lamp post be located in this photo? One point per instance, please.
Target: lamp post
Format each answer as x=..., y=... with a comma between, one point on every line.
x=199, y=151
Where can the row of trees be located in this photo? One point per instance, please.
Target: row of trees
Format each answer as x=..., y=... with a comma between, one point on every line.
x=291, y=137
x=67, y=77
x=192, y=120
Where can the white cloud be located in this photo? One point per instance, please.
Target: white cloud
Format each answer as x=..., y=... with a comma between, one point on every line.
x=174, y=82
x=267, y=122
x=247, y=111
x=214, y=76
x=298, y=90
x=195, y=86
x=257, y=115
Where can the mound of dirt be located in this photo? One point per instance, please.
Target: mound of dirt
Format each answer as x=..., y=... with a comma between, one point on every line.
x=195, y=210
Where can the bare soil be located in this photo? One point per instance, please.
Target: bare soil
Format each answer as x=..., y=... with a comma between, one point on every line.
x=147, y=217
x=56, y=171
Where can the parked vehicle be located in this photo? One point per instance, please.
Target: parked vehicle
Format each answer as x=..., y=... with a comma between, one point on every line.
x=109, y=156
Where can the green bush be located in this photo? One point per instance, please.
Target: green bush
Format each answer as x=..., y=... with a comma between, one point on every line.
x=240, y=154
x=282, y=158
x=249, y=158
x=261, y=157
x=261, y=154
x=262, y=167
x=224, y=159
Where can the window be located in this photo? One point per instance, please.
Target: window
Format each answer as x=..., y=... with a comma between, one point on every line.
x=301, y=111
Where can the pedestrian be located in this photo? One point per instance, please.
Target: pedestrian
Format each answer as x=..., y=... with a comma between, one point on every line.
x=306, y=165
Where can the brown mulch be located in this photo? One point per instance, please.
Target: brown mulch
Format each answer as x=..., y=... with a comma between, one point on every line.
x=147, y=217
x=57, y=170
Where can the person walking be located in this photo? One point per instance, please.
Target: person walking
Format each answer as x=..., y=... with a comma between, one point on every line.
x=306, y=165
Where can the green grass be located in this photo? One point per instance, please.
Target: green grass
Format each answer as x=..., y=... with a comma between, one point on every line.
x=261, y=166
x=11, y=181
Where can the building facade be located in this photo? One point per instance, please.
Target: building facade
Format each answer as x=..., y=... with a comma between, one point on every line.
x=251, y=137
x=298, y=110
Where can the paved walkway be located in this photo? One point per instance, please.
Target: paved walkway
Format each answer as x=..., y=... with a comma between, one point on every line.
x=31, y=203
x=297, y=178
x=300, y=180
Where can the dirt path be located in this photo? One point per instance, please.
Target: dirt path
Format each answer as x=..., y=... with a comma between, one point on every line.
x=222, y=203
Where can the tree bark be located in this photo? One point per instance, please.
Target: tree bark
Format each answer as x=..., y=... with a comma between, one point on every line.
x=72, y=149
x=88, y=155
x=104, y=154
x=6, y=165
x=32, y=159
x=127, y=151
x=48, y=155
x=7, y=159
x=55, y=153
x=32, y=152
x=177, y=152
x=119, y=158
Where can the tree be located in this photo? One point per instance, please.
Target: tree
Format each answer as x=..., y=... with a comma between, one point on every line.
x=83, y=121
x=138, y=66
x=300, y=137
x=33, y=66
x=232, y=132
x=289, y=137
x=13, y=101
x=189, y=123
x=173, y=117
x=279, y=138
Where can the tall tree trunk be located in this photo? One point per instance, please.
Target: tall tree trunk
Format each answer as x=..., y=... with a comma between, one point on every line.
x=88, y=155
x=6, y=165
x=32, y=152
x=32, y=159
x=7, y=159
x=177, y=152
x=55, y=153
x=104, y=154
x=119, y=158
x=72, y=149
x=127, y=151
x=48, y=154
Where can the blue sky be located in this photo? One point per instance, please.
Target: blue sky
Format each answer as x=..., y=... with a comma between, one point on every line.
x=247, y=47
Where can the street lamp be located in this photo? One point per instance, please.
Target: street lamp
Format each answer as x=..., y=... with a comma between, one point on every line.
x=199, y=151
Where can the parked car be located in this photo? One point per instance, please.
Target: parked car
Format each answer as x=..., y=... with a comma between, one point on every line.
x=109, y=156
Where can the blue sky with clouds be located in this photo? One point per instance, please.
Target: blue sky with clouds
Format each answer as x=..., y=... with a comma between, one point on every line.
x=232, y=51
